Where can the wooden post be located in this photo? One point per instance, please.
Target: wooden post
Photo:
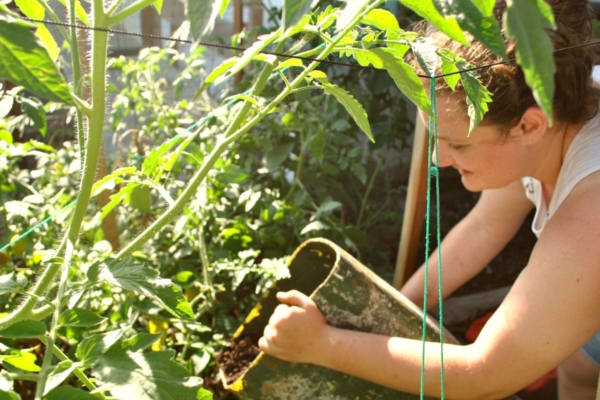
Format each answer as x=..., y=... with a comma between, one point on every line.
x=238, y=25
x=412, y=224
x=150, y=26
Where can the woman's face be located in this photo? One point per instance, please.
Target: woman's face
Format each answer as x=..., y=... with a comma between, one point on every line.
x=486, y=159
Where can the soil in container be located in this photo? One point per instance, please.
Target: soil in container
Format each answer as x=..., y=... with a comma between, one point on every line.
x=235, y=360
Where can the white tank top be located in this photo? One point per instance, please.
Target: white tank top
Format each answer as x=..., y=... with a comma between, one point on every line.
x=582, y=159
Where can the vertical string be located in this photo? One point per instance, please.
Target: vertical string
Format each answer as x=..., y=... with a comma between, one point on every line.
x=432, y=171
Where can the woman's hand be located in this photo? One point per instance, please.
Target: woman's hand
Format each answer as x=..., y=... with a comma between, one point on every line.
x=297, y=331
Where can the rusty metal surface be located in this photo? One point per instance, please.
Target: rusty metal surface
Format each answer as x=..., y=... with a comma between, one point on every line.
x=350, y=296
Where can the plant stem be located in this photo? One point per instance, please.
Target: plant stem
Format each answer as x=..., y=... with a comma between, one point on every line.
x=234, y=133
x=77, y=371
x=366, y=196
x=128, y=11
x=76, y=64
x=298, y=168
x=202, y=247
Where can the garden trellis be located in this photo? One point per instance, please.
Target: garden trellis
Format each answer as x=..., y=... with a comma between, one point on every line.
x=372, y=51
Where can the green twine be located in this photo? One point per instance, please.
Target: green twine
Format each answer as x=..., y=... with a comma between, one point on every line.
x=433, y=172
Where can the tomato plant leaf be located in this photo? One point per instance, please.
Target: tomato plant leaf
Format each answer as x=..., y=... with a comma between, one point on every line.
x=131, y=274
x=224, y=5
x=139, y=198
x=202, y=15
x=470, y=18
x=426, y=55
x=449, y=67
x=158, y=5
x=161, y=378
x=59, y=374
x=25, y=61
x=449, y=26
x=527, y=21
x=23, y=363
x=486, y=6
x=261, y=42
x=69, y=393
x=275, y=156
x=215, y=73
x=354, y=108
x=35, y=112
x=381, y=19
x=92, y=346
x=31, y=8
x=314, y=226
x=12, y=282
x=24, y=329
x=46, y=37
x=477, y=95
x=293, y=11
x=79, y=317
x=9, y=395
x=352, y=8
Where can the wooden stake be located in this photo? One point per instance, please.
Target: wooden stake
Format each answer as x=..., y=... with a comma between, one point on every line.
x=412, y=224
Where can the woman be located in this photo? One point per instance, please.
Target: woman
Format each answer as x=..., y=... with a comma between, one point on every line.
x=517, y=160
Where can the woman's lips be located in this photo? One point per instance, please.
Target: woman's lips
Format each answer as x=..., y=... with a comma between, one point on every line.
x=464, y=172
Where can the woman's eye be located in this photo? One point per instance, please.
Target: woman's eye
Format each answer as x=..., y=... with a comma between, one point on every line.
x=456, y=147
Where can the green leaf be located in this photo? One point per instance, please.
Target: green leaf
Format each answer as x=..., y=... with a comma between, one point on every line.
x=161, y=378
x=405, y=78
x=470, y=18
x=381, y=19
x=92, y=346
x=449, y=67
x=274, y=157
x=10, y=395
x=314, y=226
x=48, y=40
x=116, y=199
x=426, y=55
x=352, y=8
x=224, y=5
x=202, y=15
x=293, y=11
x=485, y=6
x=36, y=113
x=31, y=8
x=477, y=95
x=292, y=62
x=79, y=317
x=23, y=363
x=59, y=374
x=24, y=329
x=110, y=181
x=25, y=61
x=158, y=5
x=141, y=341
x=215, y=73
x=527, y=21
x=12, y=282
x=6, y=104
x=427, y=10
x=354, y=108
x=139, y=198
x=262, y=42
x=244, y=97
x=131, y=274
x=69, y=393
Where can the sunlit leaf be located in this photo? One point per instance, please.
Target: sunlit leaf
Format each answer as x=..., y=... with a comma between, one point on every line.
x=12, y=282
x=69, y=393
x=486, y=6
x=381, y=19
x=427, y=10
x=354, y=108
x=131, y=274
x=158, y=5
x=470, y=18
x=46, y=37
x=25, y=61
x=293, y=11
x=92, y=346
x=79, y=317
x=527, y=21
x=59, y=374
x=352, y=8
x=24, y=329
x=202, y=15
x=79, y=11
x=23, y=363
x=426, y=55
x=224, y=5
x=31, y=8
x=161, y=378
x=36, y=113
x=314, y=226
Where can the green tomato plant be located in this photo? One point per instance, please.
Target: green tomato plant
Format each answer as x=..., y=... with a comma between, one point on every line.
x=361, y=30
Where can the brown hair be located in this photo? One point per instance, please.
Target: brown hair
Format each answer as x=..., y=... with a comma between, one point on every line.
x=575, y=98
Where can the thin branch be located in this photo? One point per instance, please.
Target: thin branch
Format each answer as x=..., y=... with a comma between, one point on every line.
x=129, y=11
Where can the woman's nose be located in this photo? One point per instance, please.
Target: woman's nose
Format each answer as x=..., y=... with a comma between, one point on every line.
x=443, y=159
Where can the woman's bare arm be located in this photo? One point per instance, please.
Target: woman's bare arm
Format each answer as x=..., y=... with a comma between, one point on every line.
x=473, y=242
x=551, y=311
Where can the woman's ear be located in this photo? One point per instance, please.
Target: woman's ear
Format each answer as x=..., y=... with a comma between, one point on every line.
x=532, y=127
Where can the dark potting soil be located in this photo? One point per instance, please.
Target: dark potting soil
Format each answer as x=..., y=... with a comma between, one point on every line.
x=235, y=360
